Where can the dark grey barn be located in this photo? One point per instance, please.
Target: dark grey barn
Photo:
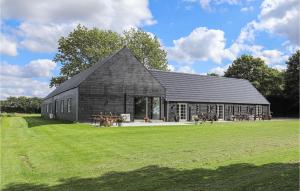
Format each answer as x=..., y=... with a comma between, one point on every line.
x=122, y=85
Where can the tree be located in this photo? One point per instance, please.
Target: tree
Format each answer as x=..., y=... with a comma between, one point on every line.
x=146, y=48
x=267, y=80
x=291, y=79
x=56, y=81
x=84, y=47
x=212, y=74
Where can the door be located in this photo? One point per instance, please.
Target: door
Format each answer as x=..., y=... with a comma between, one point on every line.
x=220, y=112
x=182, y=111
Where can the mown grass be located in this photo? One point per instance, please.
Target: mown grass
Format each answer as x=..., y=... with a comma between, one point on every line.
x=48, y=155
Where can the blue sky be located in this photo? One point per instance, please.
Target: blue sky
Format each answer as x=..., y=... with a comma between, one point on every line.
x=200, y=36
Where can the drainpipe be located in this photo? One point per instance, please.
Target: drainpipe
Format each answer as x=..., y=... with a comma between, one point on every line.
x=146, y=107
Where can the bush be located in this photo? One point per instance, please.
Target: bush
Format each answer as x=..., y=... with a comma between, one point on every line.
x=7, y=114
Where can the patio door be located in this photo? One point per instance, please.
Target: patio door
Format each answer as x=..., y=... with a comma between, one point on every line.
x=182, y=111
x=220, y=112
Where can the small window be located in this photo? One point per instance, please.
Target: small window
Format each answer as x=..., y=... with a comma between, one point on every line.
x=62, y=106
x=208, y=108
x=69, y=102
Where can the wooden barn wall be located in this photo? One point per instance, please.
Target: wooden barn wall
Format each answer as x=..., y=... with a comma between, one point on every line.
x=104, y=90
x=65, y=115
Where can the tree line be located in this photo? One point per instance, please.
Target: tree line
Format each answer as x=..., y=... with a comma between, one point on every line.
x=21, y=104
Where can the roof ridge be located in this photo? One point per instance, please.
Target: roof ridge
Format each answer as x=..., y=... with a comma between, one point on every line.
x=155, y=70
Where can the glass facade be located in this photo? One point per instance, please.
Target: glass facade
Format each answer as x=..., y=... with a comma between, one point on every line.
x=139, y=107
x=147, y=107
x=155, y=108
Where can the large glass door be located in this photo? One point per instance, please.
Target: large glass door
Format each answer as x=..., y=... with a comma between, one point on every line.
x=139, y=107
x=147, y=107
x=182, y=111
x=155, y=108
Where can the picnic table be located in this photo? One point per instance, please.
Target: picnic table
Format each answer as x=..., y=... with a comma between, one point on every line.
x=105, y=120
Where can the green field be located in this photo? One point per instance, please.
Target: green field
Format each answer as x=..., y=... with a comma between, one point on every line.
x=47, y=155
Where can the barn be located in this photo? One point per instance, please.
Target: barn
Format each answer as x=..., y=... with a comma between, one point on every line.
x=120, y=84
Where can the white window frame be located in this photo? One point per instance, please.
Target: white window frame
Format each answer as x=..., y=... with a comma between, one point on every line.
x=239, y=109
x=208, y=108
x=223, y=111
x=259, y=109
x=69, y=102
x=179, y=105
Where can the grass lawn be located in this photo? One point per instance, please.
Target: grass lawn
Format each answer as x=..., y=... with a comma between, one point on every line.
x=47, y=155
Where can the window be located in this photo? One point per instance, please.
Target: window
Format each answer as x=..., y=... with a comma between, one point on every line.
x=155, y=108
x=197, y=108
x=239, y=109
x=47, y=108
x=258, y=110
x=147, y=106
x=208, y=109
x=62, y=106
x=140, y=107
x=56, y=106
x=248, y=109
x=230, y=110
x=69, y=102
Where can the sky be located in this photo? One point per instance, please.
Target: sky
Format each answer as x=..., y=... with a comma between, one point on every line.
x=200, y=36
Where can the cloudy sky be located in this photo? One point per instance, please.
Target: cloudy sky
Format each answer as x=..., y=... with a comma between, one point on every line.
x=201, y=36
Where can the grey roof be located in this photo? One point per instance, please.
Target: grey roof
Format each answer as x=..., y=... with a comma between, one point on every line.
x=76, y=80
x=199, y=88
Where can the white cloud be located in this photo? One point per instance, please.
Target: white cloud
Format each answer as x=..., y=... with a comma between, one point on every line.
x=7, y=46
x=43, y=22
x=107, y=14
x=19, y=86
x=247, y=9
x=272, y=57
x=201, y=44
x=40, y=68
x=279, y=67
x=280, y=17
x=35, y=68
x=207, y=4
x=42, y=37
x=186, y=69
x=18, y=80
x=219, y=70
x=171, y=68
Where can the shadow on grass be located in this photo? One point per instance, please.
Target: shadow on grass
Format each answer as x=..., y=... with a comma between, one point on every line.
x=34, y=121
x=273, y=176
